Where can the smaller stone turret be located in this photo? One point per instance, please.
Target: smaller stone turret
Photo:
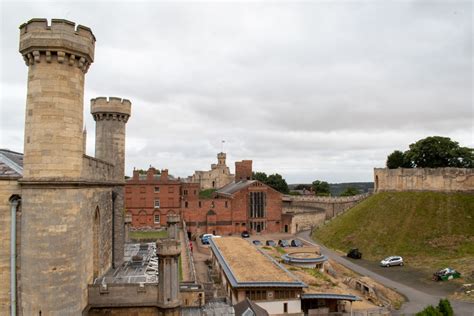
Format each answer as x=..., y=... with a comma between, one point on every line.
x=111, y=116
x=172, y=221
x=168, y=251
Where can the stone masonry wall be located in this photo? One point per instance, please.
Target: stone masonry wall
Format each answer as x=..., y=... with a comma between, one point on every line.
x=305, y=221
x=424, y=179
x=57, y=255
x=310, y=211
x=7, y=189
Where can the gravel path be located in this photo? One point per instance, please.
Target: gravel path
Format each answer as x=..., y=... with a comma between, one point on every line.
x=418, y=293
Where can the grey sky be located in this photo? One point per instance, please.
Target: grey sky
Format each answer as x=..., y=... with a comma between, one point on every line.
x=312, y=90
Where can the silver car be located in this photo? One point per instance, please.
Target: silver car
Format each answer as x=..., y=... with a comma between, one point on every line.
x=392, y=261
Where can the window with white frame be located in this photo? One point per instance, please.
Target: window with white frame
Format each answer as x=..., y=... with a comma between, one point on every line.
x=157, y=218
x=157, y=189
x=157, y=203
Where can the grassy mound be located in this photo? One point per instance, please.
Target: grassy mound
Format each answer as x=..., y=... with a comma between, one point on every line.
x=430, y=230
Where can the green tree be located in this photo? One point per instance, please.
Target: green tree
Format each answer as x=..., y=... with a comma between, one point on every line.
x=260, y=176
x=438, y=152
x=445, y=308
x=277, y=182
x=321, y=187
x=350, y=191
x=303, y=187
x=398, y=159
x=429, y=311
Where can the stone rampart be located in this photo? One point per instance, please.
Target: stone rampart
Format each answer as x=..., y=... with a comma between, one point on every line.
x=96, y=169
x=122, y=295
x=311, y=211
x=325, y=199
x=424, y=179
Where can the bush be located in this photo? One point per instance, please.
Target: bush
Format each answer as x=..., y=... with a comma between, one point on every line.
x=443, y=309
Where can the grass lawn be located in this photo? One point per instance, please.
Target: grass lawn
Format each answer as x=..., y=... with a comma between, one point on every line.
x=148, y=235
x=430, y=230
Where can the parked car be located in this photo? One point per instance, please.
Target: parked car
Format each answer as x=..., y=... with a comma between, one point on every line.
x=257, y=242
x=205, y=238
x=296, y=243
x=245, y=234
x=270, y=243
x=354, y=253
x=446, y=274
x=392, y=261
x=283, y=243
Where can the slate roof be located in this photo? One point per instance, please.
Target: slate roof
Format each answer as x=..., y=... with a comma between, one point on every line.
x=11, y=164
x=346, y=297
x=242, y=307
x=234, y=187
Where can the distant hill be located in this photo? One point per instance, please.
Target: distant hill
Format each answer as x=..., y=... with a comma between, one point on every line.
x=431, y=230
x=337, y=188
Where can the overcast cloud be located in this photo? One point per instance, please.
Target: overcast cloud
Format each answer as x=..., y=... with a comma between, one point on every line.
x=312, y=90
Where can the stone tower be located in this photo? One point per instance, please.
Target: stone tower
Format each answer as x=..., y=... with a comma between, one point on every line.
x=111, y=116
x=58, y=57
x=168, y=251
x=69, y=226
x=221, y=159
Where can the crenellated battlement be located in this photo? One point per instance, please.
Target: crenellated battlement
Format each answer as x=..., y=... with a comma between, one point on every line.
x=61, y=41
x=111, y=108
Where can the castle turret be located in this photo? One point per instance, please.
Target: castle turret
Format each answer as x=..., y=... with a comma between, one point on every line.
x=111, y=115
x=60, y=247
x=168, y=251
x=57, y=56
x=221, y=159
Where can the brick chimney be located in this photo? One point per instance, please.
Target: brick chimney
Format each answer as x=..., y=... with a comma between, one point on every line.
x=136, y=174
x=164, y=175
x=243, y=170
x=150, y=173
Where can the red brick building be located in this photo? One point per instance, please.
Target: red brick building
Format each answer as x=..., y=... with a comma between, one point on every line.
x=244, y=204
x=150, y=197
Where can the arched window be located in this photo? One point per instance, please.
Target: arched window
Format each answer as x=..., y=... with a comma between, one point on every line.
x=96, y=242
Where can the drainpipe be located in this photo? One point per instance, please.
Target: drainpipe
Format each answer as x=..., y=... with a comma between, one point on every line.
x=114, y=196
x=14, y=202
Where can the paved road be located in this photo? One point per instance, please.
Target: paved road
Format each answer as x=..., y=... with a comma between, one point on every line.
x=417, y=300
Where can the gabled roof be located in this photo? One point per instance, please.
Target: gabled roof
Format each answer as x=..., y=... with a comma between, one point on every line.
x=247, y=307
x=11, y=164
x=235, y=187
